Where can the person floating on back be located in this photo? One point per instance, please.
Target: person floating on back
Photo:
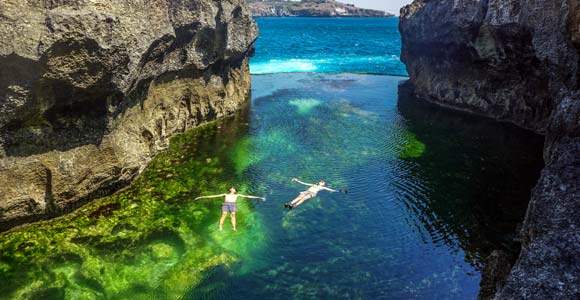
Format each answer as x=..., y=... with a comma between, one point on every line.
x=230, y=205
x=310, y=193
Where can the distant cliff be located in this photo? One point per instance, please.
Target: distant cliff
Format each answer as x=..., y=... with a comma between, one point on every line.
x=91, y=90
x=320, y=8
x=515, y=61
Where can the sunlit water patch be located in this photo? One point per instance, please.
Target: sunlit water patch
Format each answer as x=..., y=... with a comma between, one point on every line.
x=431, y=194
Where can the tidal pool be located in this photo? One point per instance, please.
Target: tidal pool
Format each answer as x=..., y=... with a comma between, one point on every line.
x=431, y=194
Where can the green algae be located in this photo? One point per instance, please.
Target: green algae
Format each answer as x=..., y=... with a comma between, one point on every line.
x=250, y=151
x=148, y=239
x=242, y=155
x=411, y=146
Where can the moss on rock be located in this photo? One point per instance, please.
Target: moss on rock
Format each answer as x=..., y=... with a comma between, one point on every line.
x=149, y=239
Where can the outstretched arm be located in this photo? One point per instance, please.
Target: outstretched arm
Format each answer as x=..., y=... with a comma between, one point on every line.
x=304, y=183
x=336, y=191
x=330, y=190
x=251, y=197
x=212, y=196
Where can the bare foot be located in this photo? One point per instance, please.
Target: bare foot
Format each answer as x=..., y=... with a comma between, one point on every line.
x=220, y=229
x=234, y=229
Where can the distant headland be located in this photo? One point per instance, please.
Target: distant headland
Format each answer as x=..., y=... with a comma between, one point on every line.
x=311, y=8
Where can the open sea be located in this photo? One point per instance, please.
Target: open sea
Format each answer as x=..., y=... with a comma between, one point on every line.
x=328, y=45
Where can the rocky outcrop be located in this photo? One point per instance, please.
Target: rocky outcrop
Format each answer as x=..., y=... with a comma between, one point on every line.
x=514, y=61
x=91, y=90
x=327, y=8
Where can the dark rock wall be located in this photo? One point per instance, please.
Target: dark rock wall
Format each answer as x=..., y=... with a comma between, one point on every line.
x=514, y=61
x=91, y=90
x=467, y=56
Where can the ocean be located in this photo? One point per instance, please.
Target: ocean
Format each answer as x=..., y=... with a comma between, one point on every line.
x=328, y=45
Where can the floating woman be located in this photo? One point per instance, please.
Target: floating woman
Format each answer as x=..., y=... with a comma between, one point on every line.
x=230, y=205
x=310, y=193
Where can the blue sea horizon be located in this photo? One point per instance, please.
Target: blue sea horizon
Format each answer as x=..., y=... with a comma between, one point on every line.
x=328, y=45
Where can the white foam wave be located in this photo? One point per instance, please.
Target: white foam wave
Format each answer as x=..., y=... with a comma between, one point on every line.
x=331, y=64
x=284, y=66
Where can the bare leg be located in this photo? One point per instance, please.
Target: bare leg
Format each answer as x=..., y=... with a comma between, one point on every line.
x=224, y=214
x=233, y=219
x=301, y=200
x=300, y=197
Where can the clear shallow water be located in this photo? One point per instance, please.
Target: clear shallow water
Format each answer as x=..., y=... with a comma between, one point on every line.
x=328, y=45
x=431, y=194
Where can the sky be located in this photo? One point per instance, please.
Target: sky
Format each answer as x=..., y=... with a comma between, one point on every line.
x=391, y=6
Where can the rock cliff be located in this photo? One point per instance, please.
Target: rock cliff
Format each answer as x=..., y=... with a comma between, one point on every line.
x=320, y=8
x=91, y=90
x=515, y=61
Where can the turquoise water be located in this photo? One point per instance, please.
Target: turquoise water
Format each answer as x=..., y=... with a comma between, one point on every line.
x=431, y=193
x=328, y=45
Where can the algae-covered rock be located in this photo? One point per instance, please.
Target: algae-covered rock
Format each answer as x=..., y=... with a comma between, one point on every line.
x=162, y=251
x=148, y=241
x=91, y=90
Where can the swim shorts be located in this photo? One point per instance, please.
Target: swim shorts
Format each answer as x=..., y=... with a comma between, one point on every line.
x=229, y=207
x=308, y=193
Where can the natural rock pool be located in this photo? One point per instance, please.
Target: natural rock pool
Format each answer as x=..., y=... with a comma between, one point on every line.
x=431, y=194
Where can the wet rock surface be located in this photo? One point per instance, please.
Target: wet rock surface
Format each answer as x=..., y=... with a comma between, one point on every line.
x=514, y=61
x=91, y=90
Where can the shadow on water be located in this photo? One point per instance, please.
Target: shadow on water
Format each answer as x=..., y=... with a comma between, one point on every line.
x=480, y=173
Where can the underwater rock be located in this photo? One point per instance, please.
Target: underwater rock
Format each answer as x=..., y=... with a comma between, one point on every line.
x=91, y=90
x=514, y=61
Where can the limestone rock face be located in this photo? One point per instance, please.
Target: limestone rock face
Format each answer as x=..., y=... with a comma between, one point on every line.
x=516, y=61
x=91, y=90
